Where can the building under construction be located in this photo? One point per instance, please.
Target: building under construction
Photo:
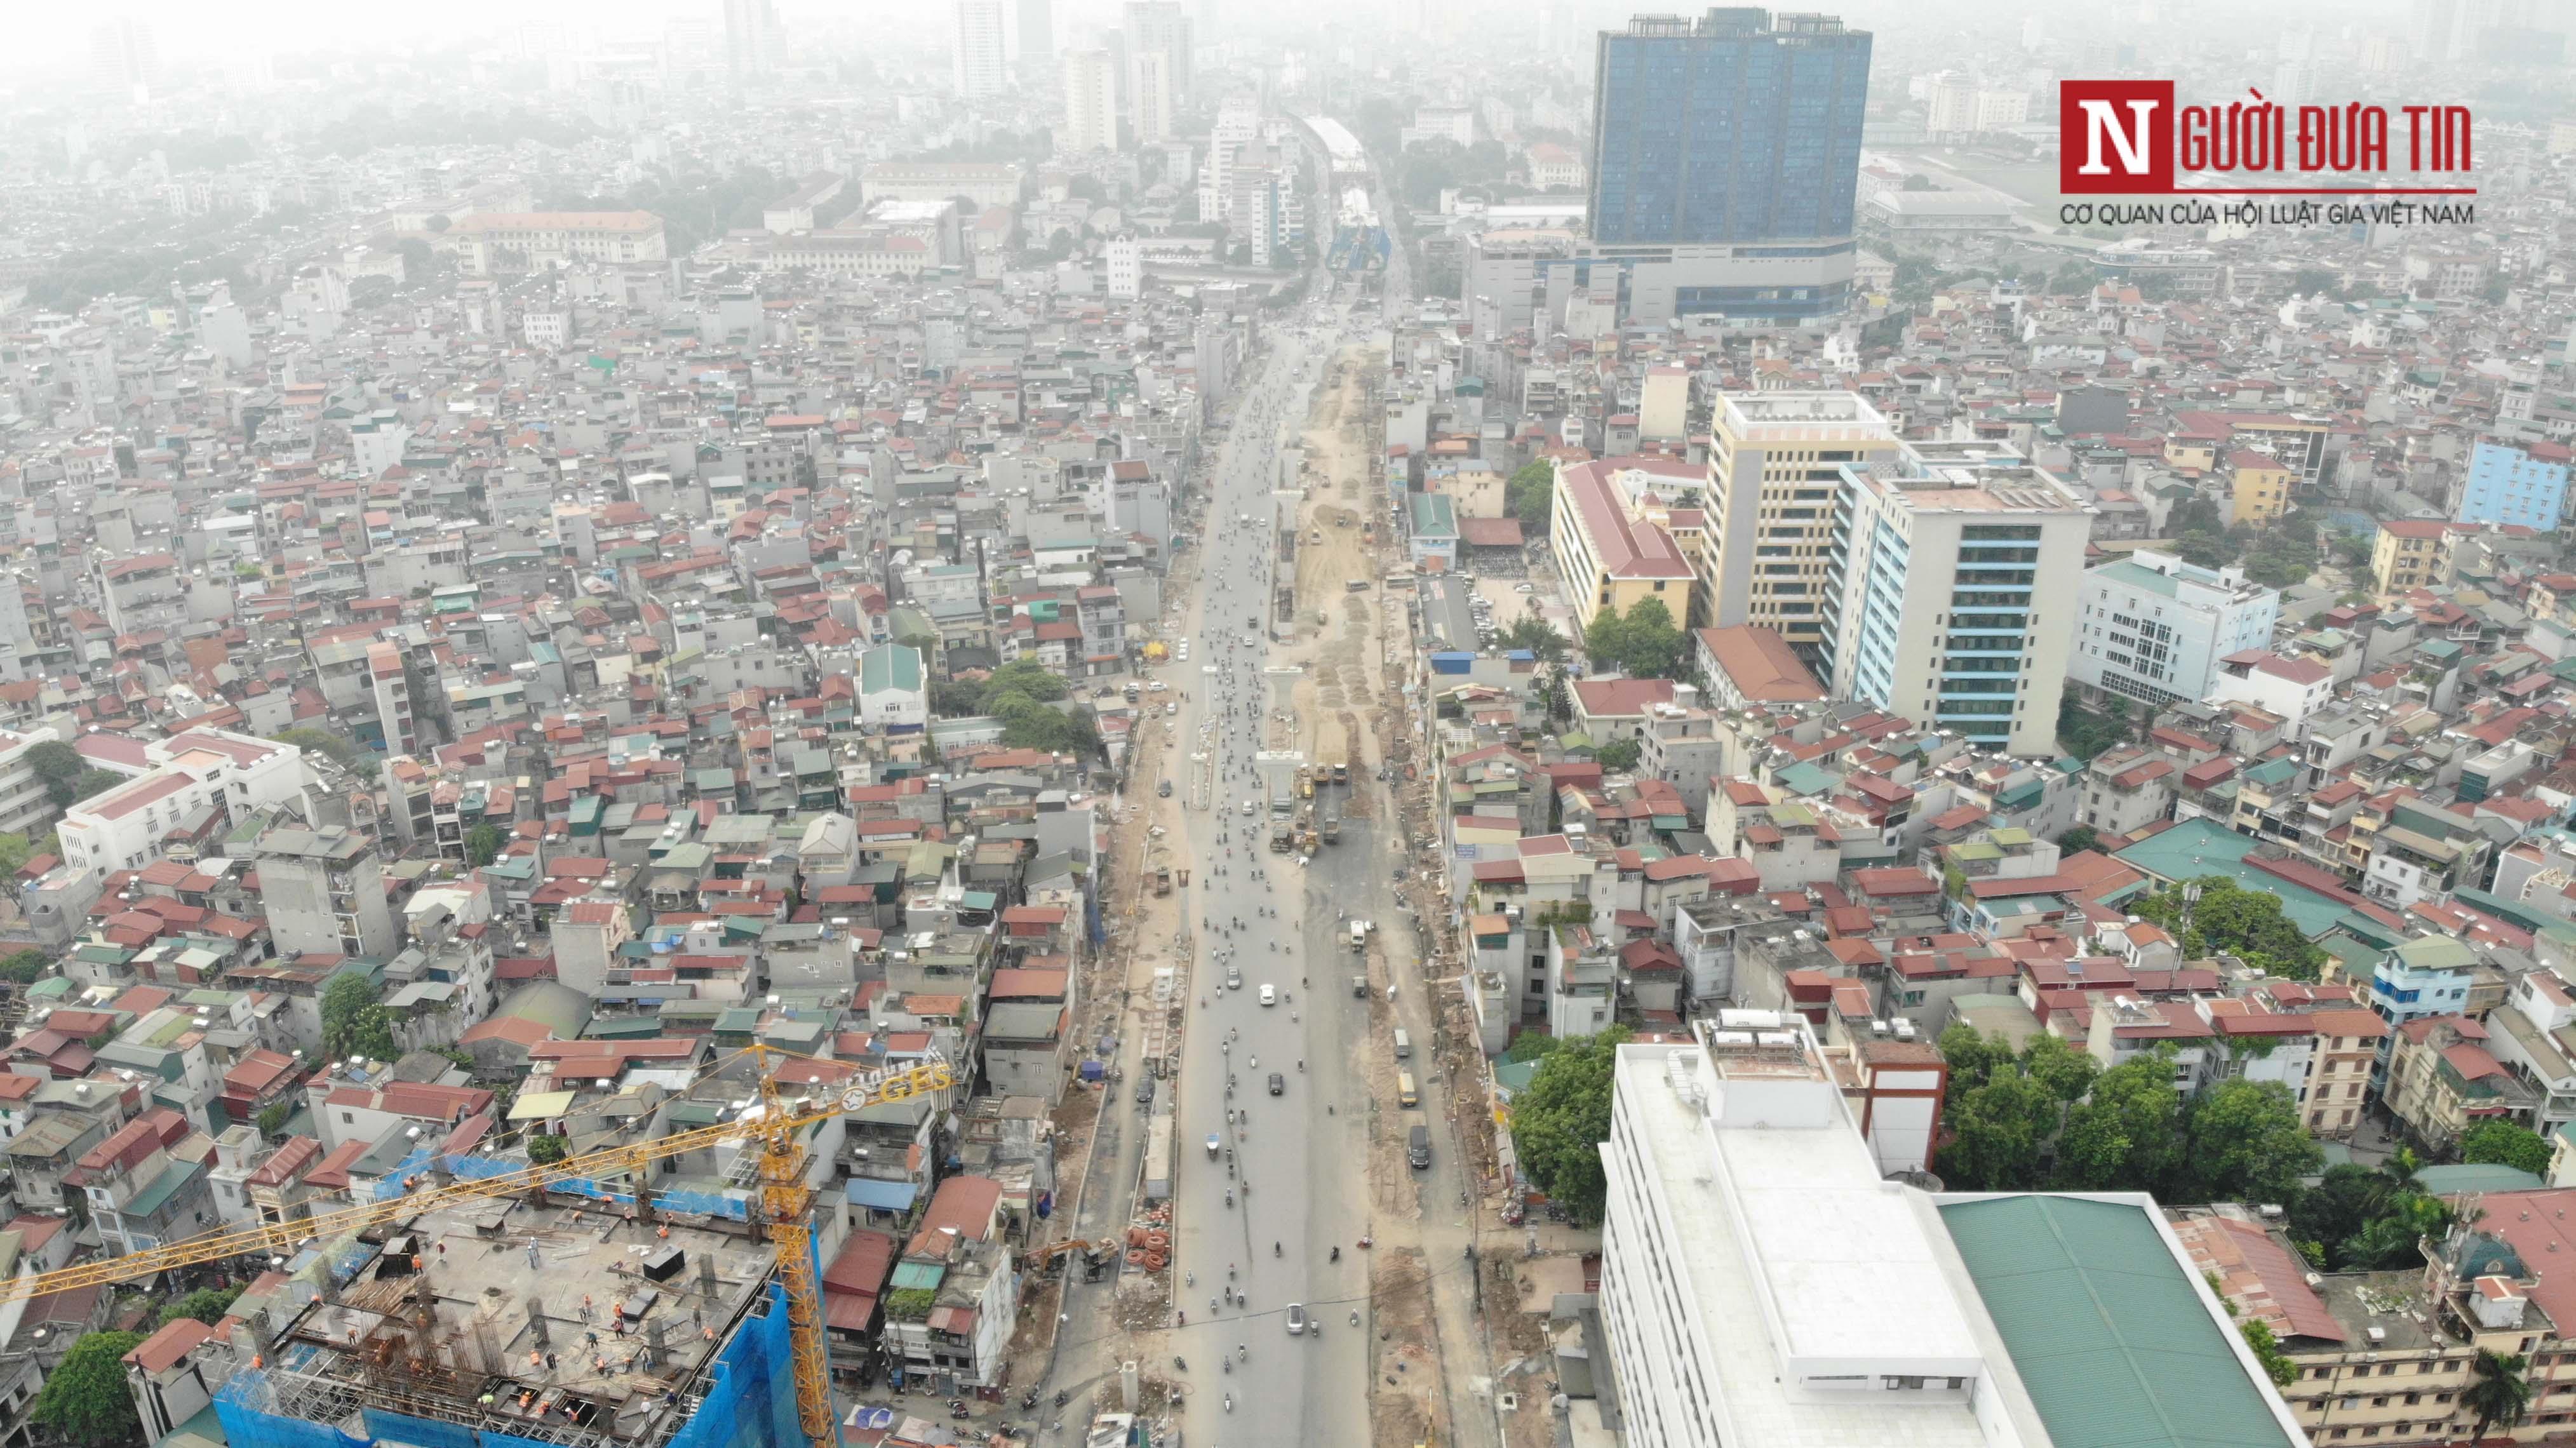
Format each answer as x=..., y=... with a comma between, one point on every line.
x=504, y=1321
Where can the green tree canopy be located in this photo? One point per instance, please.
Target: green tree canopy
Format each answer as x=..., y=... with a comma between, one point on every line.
x=2228, y=919
x=25, y=967
x=2506, y=1144
x=2077, y=840
x=60, y=766
x=2001, y=1135
x=1644, y=643
x=1530, y=494
x=1618, y=756
x=85, y=1400
x=1559, y=1123
x=2122, y=1136
x=2497, y=1392
x=483, y=844
x=273, y=1117
x=2242, y=1142
x=2267, y=1350
x=546, y=1150
x=207, y=1305
x=353, y=1023
x=1531, y=632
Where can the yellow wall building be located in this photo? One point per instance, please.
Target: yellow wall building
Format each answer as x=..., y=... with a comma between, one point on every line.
x=2407, y=555
x=1607, y=555
x=2258, y=487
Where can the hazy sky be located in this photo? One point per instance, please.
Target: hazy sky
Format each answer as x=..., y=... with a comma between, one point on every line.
x=49, y=36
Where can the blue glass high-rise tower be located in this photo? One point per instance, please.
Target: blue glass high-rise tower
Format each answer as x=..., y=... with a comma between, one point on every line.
x=1726, y=163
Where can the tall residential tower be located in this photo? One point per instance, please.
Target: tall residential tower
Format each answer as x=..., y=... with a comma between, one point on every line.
x=1952, y=591
x=1775, y=472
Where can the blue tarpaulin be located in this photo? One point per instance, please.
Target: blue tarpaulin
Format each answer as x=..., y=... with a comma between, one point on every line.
x=882, y=1196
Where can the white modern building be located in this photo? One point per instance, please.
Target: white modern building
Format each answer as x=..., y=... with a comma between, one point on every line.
x=1949, y=595
x=2291, y=688
x=980, y=52
x=1090, y=103
x=1762, y=1283
x=2152, y=627
x=24, y=805
x=194, y=776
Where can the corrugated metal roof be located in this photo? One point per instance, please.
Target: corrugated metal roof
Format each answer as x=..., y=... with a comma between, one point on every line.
x=2111, y=1336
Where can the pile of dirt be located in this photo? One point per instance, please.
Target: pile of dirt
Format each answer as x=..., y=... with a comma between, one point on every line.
x=1406, y=1401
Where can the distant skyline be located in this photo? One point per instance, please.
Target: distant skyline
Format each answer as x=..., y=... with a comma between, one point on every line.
x=45, y=39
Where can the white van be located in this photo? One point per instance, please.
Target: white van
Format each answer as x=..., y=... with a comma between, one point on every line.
x=1403, y=1045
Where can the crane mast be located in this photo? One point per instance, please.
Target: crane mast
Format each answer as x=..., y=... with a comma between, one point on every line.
x=777, y=1124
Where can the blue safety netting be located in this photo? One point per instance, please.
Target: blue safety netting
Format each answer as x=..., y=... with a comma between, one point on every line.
x=750, y=1402
x=733, y=1205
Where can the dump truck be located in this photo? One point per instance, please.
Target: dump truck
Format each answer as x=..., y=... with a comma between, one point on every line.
x=1332, y=826
x=1162, y=879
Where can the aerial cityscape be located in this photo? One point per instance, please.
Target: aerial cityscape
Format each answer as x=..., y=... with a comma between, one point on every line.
x=763, y=723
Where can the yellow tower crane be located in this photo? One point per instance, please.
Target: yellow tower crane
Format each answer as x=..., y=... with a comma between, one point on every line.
x=778, y=1120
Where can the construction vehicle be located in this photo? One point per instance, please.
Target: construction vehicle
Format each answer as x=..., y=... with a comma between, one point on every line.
x=1305, y=785
x=1332, y=826
x=1094, y=1257
x=779, y=1120
x=1162, y=879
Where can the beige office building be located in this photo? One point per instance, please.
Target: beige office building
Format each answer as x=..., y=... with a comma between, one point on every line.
x=1775, y=462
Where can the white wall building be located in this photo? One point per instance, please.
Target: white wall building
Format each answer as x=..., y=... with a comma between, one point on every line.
x=195, y=773
x=980, y=52
x=2152, y=627
x=1090, y=103
x=2291, y=688
x=1762, y=1283
x=1952, y=572
x=1126, y=263
x=24, y=805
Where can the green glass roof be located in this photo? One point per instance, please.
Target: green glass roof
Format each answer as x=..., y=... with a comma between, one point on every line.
x=2111, y=1335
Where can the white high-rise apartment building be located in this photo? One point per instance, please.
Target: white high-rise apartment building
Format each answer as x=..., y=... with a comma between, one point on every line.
x=751, y=39
x=1160, y=27
x=1150, y=102
x=1090, y=103
x=1238, y=124
x=1951, y=591
x=1028, y=37
x=982, y=50
x=123, y=61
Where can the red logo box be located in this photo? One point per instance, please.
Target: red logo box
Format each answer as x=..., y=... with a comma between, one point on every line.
x=2115, y=137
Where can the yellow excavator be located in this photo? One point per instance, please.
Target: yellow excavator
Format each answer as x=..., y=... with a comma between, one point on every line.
x=778, y=1121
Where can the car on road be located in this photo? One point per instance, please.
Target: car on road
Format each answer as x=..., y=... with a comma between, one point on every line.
x=1156, y=687
x=1278, y=1084
x=1164, y=789
x=1248, y=808
x=1233, y=977
x=1296, y=1319
x=1269, y=994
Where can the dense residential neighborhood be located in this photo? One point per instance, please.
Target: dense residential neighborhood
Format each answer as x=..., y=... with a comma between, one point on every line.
x=682, y=700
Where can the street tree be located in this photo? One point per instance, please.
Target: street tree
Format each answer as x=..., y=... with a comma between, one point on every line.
x=2242, y=1142
x=2504, y=1143
x=2121, y=1136
x=86, y=1400
x=2497, y=1392
x=1560, y=1121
